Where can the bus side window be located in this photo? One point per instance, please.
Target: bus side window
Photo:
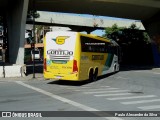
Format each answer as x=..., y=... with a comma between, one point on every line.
x=92, y=45
x=108, y=48
x=89, y=48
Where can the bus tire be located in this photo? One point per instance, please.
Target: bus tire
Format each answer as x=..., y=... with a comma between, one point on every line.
x=115, y=68
x=91, y=75
x=95, y=74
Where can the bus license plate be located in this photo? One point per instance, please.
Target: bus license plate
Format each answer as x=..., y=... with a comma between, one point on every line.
x=58, y=77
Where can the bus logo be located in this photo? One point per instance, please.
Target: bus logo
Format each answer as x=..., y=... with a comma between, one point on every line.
x=60, y=40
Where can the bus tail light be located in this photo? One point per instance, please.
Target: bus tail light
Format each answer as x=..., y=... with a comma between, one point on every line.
x=45, y=64
x=75, y=67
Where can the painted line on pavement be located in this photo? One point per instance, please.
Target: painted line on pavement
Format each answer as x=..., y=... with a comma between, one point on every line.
x=87, y=88
x=114, y=91
x=102, y=95
x=98, y=89
x=65, y=100
x=132, y=97
x=141, y=101
x=151, y=72
x=105, y=86
x=150, y=107
x=119, y=77
x=156, y=73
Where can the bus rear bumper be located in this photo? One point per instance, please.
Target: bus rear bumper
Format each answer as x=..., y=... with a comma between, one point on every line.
x=69, y=77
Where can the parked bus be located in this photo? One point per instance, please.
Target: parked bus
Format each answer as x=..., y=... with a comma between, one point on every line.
x=76, y=57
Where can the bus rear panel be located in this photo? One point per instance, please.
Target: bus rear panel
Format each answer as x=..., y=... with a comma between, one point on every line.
x=61, y=60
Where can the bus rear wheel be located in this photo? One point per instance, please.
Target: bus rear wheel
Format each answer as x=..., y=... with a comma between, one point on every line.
x=91, y=75
x=95, y=74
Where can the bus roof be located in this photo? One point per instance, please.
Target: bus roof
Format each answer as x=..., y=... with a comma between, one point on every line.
x=86, y=35
x=96, y=37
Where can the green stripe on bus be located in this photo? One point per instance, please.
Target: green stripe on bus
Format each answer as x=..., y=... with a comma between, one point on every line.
x=109, y=60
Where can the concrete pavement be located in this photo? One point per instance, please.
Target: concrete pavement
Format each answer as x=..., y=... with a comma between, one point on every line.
x=39, y=71
x=38, y=76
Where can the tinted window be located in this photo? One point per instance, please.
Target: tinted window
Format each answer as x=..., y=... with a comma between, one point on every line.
x=35, y=52
x=93, y=45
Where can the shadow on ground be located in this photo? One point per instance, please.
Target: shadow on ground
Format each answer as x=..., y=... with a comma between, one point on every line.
x=78, y=83
x=136, y=67
x=38, y=68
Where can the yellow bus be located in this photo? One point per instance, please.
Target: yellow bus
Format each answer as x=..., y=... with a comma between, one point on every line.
x=76, y=56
